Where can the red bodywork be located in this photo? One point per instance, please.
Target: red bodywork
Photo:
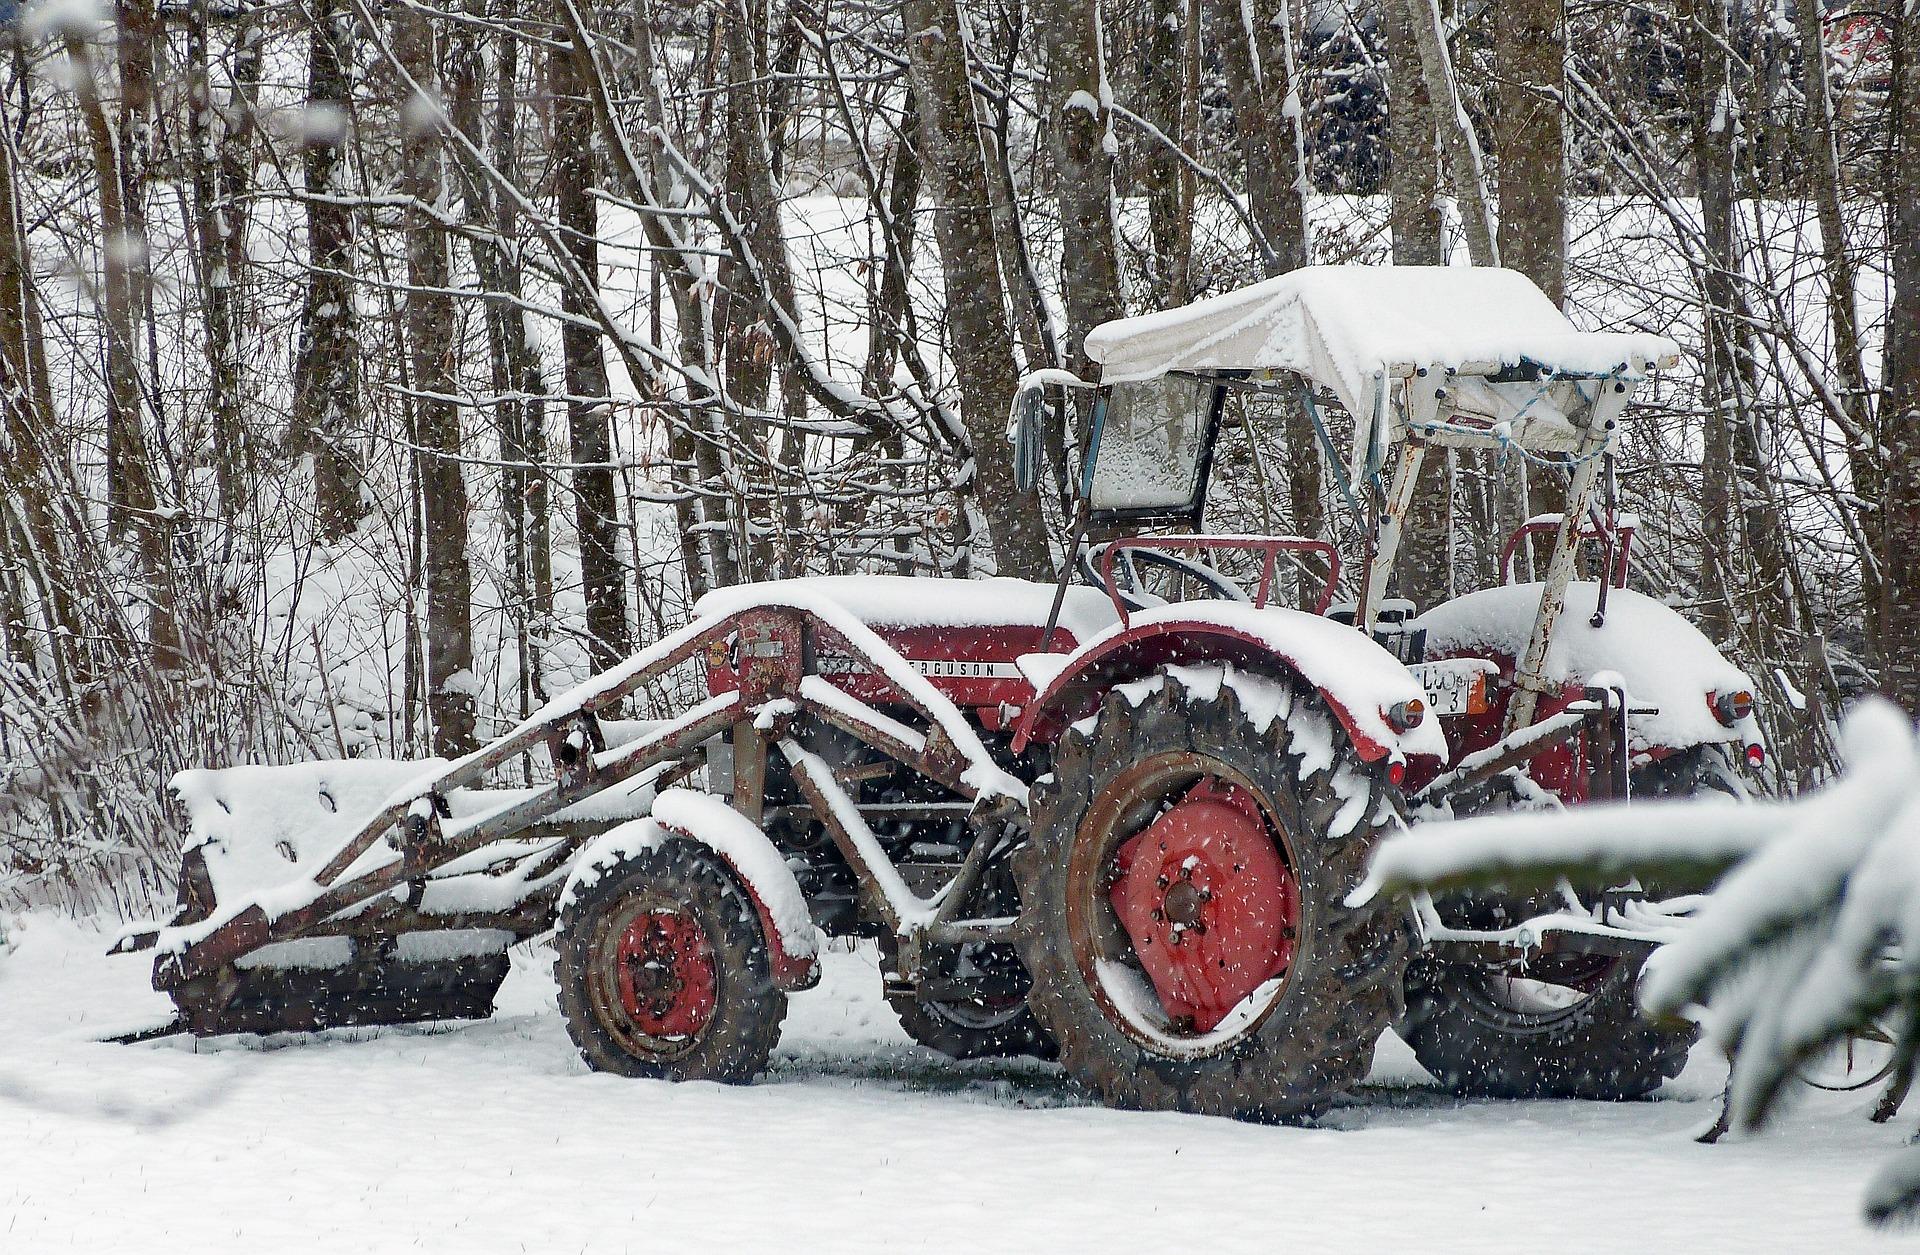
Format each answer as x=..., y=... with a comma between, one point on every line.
x=974, y=668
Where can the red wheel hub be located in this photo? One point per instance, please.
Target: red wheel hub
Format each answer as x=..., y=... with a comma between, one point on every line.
x=665, y=974
x=1211, y=909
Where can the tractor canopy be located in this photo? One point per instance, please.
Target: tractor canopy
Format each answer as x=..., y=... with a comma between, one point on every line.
x=1459, y=355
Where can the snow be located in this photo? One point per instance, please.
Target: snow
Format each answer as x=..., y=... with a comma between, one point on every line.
x=1342, y=325
x=77, y=19
x=1609, y=839
x=716, y=825
x=1358, y=676
x=266, y=829
x=493, y=1137
x=1850, y=851
x=1358, y=329
x=1665, y=661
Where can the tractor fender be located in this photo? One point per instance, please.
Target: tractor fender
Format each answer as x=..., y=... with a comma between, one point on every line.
x=706, y=820
x=1666, y=664
x=1358, y=679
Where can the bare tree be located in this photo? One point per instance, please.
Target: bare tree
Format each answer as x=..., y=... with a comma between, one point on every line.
x=1898, y=644
x=977, y=328
x=326, y=373
x=432, y=337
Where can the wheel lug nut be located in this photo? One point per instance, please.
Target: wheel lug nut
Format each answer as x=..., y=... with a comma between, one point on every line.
x=1159, y=916
x=1162, y=881
x=1186, y=873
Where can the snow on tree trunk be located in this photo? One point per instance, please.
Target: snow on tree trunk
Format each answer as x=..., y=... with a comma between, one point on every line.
x=1080, y=112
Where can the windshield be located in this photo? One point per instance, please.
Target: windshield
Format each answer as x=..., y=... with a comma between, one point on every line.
x=1151, y=451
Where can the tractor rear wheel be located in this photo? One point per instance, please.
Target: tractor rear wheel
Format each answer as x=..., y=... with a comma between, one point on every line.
x=1563, y=1027
x=1183, y=912
x=664, y=973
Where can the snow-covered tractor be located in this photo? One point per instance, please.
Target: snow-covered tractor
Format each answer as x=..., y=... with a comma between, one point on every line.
x=1117, y=820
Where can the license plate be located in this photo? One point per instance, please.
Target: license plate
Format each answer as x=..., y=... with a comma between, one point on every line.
x=1454, y=687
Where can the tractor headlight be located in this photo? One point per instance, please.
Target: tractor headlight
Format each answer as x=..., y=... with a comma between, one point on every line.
x=1405, y=716
x=1730, y=708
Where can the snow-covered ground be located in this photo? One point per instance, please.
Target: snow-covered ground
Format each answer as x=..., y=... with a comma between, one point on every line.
x=494, y=1137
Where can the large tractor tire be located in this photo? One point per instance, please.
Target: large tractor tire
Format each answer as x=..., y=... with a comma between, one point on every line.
x=1565, y=1027
x=664, y=972
x=1562, y=1027
x=1183, y=913
x=972, y=1003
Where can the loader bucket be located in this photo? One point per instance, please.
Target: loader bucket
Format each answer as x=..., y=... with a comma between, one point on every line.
x=433, y=948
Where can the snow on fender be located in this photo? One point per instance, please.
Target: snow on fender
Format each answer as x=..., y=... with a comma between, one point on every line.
x=702, y=818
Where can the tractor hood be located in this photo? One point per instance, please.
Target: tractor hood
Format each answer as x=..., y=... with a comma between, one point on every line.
x=1664, y=660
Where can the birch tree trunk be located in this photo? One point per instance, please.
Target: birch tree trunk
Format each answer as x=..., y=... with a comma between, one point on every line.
x=978, y=336
x=1457, y=140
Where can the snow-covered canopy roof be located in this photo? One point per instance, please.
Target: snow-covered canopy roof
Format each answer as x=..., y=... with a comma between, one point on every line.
x=1340, y=326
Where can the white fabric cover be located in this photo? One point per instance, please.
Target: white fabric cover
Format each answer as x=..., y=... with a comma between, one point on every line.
x=1339, y=325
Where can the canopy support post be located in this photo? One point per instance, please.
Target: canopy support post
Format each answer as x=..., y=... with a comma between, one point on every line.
x=1388, y=528
x=1528, y=680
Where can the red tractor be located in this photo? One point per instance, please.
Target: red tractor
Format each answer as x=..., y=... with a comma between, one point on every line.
x=1115, y=821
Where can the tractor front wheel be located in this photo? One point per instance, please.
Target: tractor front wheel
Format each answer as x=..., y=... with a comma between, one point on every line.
x=1182, y=892
x=664, y=972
